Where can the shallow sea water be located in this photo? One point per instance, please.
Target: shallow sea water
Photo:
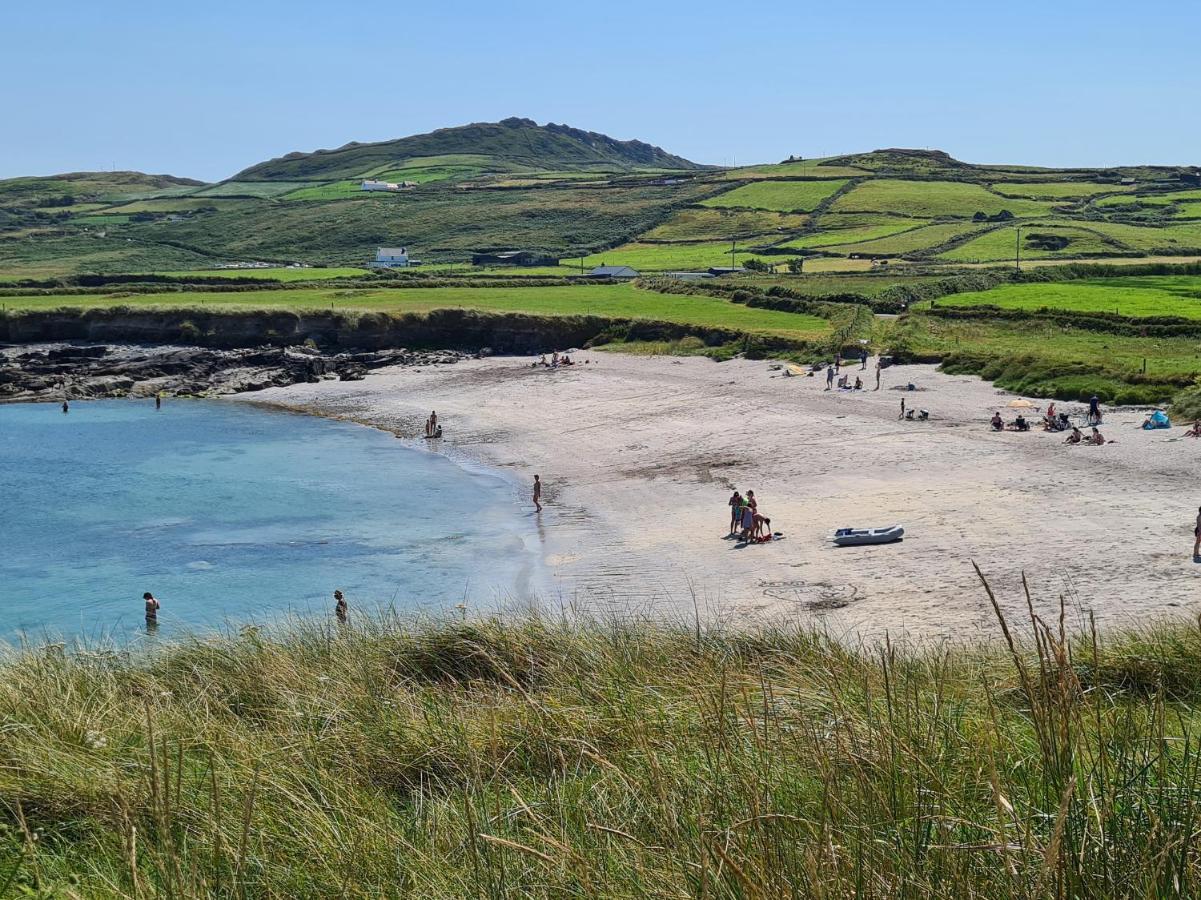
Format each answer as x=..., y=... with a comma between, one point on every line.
x=232, y=514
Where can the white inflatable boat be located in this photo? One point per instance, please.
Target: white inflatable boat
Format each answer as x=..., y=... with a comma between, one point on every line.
x=854, y=537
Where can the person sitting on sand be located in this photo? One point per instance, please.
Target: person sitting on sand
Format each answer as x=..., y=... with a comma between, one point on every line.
x=1075, y=437
x=1020, y=423
x=996, y=422
x=858, y=383
x=1195, y=431
x=735, y=504
x=844, y=383
x=1096, y=438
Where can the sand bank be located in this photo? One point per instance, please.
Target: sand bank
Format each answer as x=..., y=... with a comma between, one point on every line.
x=639, y=456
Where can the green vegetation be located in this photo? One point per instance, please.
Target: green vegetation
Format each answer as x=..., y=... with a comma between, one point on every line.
x=932, y=198
x=787, y=196
x=1040, y=240
x=851, y=235
x=912, y=241
x=1057, y=190
x=274, y=274
x=618, y=301
x=672, y=257
x=1139, y=296
x=492, y=759
x=696, y=224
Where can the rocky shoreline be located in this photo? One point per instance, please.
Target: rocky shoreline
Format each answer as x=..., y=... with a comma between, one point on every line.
x=35, y=372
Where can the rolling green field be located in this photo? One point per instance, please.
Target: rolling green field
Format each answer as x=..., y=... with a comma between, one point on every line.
x=910, y=241
x=1000, y=243
x=849, y=235
x=620, y=301
x=1157, y=199
x=927, y=199
x=1150, y=295
x=696, y=224
x=1057, y=190
x=672, y=257
x=261, y=189
x=786, y=196
x=277, y=274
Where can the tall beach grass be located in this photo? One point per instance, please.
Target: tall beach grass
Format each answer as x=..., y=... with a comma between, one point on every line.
x=540, y=758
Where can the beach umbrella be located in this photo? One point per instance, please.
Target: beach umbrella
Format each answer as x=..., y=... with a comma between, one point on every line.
x=1020, y=404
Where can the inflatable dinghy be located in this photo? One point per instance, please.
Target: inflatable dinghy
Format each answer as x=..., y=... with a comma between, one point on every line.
x=854, y=537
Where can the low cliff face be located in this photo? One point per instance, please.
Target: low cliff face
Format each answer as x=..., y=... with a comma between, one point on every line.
x=451, y=329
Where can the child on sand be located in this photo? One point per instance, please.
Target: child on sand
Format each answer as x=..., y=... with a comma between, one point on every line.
x=735, y=511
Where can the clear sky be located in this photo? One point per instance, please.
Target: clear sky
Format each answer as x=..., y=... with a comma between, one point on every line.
x=203, y=89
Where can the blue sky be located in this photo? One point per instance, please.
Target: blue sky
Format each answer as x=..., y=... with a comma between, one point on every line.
x=205, y=89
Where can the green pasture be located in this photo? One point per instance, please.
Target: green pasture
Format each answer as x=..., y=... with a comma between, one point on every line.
x=807, y=168
x=1157, y=199
x=1138, y=295
x=619, y=301
x=852, y=235
x=169, y=205
x=282, y=273
x=1057, y=190
x=786, y=196
x=1001, y=244
x=932, y=198
x=700, y=224
x=671, y=257
x=911, y=241
x=350, y=189
x=261, y=189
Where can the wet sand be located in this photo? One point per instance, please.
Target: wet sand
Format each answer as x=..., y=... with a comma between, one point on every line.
x=640, y=454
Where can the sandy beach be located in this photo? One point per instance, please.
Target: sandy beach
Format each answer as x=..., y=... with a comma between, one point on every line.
x=639, y=456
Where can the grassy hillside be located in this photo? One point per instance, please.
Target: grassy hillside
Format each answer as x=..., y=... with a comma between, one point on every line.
x=517, y=185
x=519, y=141
x=489, y=759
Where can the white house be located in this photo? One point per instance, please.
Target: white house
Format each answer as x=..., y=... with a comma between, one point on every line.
x=391, y=258
x=370, y=185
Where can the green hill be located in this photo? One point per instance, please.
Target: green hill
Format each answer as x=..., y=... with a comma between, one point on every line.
x=519, y=143
x=572, y=193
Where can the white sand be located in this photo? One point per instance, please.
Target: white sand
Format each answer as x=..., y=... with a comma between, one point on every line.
x=639, y=456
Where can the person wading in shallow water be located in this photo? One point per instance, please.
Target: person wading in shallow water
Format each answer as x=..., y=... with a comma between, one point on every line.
x=152, y=608
x=538, y=492
x=341, y=610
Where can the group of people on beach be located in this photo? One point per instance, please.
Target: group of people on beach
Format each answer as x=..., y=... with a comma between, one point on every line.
x=833, y=370
x=555, y=361
x=432, y=428
x=1055, y=420
x=747, y=524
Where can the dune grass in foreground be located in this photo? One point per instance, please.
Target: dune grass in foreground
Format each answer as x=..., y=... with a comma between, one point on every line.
x=619, y=301
x=489, y=759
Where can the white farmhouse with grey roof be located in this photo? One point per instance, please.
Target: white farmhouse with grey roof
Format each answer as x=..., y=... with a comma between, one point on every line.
x=391, y=258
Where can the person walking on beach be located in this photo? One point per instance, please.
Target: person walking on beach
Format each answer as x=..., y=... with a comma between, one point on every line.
x=1197, y=537
x=152, y=608
x=538, y=492
x=1094, y=410
x=735, y=511
x=863, y=358
x=902, y=415
x=829, y=377
x=341, y=610
x=877, y=374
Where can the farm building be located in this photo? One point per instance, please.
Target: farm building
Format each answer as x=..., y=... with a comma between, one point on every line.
x=613, y=272
x=688, y=276
x=390, y=258
x=387, y=185
x=514, y=258
x=717, y=271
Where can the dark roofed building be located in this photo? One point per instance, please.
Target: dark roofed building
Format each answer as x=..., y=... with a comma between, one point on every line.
x=514, y=258
x=613, y=272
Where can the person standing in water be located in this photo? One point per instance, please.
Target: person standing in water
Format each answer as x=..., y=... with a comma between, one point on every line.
x=158, y=400
x=341, y=610
x=538, y=492
x=66, y=407
x=152, y=608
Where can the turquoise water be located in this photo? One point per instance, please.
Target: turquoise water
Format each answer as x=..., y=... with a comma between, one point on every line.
x=235, y=514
